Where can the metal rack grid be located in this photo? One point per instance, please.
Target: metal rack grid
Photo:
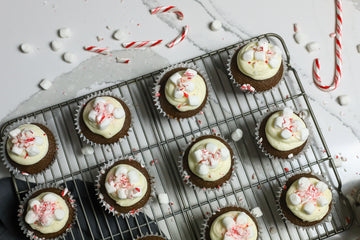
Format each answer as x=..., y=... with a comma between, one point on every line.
x=158, y=141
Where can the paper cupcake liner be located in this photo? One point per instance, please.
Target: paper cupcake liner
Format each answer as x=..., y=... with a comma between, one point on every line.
x=185, y=176
x=290, y=158
x=3, y=149
x=205, y=224
x=156, y=89
x=327, y=218
x=106, y=205
x=246, y=87
x=22, y=209
x=150, y=235
x=82, y=104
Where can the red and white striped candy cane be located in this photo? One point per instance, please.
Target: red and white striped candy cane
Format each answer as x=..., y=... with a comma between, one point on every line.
x=168, y=9
x=141, y=44
x=122, y=60
x=179, y=38
x=95, y=49
x=338, y=54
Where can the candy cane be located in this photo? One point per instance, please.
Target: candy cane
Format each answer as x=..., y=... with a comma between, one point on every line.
x=95, y=49
x=338, y=53
x=179, y=38
x=122, y=60
x=141, y=44
x=169, y=9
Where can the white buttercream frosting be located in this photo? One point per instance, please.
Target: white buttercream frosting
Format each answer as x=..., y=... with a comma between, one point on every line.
x=126, y=185
x=27, y=144
x=104, y=116
x=285, y=130
x=309, y=199
x=47, y=213
x=259, y=60
x=209, y=159
x=233, y=225
x=186, y=90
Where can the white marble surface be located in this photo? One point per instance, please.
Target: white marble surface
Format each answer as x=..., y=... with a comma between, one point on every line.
x=36, y=22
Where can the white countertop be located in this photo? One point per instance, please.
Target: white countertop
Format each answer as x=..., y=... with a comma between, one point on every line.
x=36, y=22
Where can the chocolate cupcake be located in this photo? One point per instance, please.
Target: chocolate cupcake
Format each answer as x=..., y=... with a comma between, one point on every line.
x=103, y=119
x=181, y=91
x=305, y=200
x=28, y=148
x=230, y=223
x=124, y=187
x=47, y=212
x=282, y=134
x=207, y=163
x=256, y=66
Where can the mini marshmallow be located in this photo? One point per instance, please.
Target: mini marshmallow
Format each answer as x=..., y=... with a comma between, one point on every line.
x=14, y=133
x=304, y=134
x=194, y=100
x=92, y=115
x=15, y=149
x=30, y=217
x=69, y=57
x=300, y=38
x=122, y=193
x=33, y=151
x=248, y=55
x=286, y=133
x=312, y=46
x=56, y=45
x=260, y=56
x=34, y=202
x=47, y=220
x=175, y=78
x=309, y=208
x=225, y=153
x=294, y=199
x=322, y=201
x=189, y=86
x=133, y=177
x=64, y=32
x=121, y=171
x=256, y=212
x=250, y=232
x=39, y=140
x=109, y=108
x=337, y=162
x=303, y=183
x=344, y=100
x=137, y=192
x=50, y=197
x=190, y=73
x=104, y=123
x=163, y=198
x=87, y=150
x=263, y=43
x=198, y=155
x=213, y=163
x=278, y=122
x=178, y=93
x=120, y=35
x=228, y=222
x=274, y=62
x=26, y=48
x=287, y=112
x=59, y=214
x=321, y=186
x=242, y=219
x=215, y=25
x=118, y=113
x=211, y=147
x=45, y=84
x=99, y=100
x=237, y=135
x=202, y=169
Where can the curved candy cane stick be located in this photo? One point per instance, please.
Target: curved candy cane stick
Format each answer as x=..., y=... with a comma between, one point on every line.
x=179, y=38
x=141, y=44
x=164, y=9
x=95, y=49
x=338, y=53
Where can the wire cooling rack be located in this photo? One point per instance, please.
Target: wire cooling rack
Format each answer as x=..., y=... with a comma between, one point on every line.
x=158, y=141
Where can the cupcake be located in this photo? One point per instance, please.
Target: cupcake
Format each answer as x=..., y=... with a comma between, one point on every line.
x=282, y=134
x=257, y=66
x=124, y=187
x=207, y=162
x=181, y=91
x=230, y=223
x=29, y=148
x=305, y=200
x=47, y=212
x=103, y=119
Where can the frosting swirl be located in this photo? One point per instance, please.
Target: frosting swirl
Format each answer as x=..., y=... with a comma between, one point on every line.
x=27, y=144
x=185, y=90
x=259, y=60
